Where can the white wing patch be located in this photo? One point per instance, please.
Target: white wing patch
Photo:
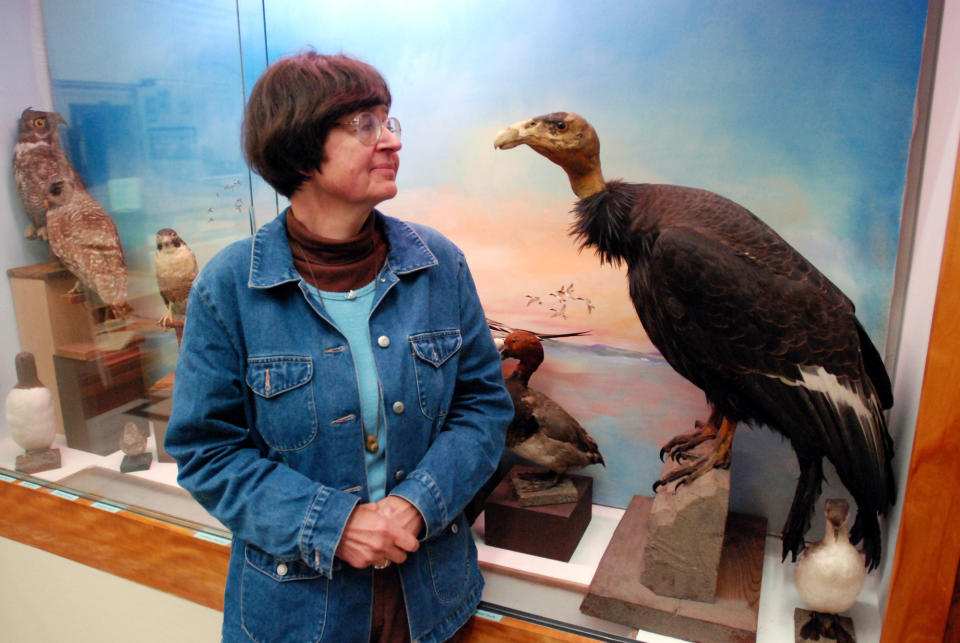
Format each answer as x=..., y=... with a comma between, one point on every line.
x=818, y=379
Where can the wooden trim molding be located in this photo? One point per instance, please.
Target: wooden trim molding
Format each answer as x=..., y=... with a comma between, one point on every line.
x=147, y=551
x=928, y=546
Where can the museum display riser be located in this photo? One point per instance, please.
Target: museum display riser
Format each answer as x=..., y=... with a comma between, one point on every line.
x=542, y=587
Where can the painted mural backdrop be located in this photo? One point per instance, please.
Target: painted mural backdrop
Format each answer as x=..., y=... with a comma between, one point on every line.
x=802, y=112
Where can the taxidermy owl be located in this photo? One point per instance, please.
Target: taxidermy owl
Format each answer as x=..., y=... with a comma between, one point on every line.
x=176, y=269
x=83, y=236
x=37, y=158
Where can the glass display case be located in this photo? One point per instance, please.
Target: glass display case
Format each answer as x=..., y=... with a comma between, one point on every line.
x=152, y=96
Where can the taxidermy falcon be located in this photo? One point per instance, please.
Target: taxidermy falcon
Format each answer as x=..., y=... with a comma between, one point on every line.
x=83, y=236
x=742, y=315
x=38, y=157
x=176, y=268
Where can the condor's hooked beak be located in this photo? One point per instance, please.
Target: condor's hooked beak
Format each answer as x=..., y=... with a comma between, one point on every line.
x=540, y=132
x=512, y=136
x=565, y=138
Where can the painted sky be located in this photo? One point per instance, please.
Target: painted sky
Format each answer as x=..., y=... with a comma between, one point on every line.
x=802, y=112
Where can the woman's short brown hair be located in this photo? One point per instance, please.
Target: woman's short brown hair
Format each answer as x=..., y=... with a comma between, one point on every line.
x=293, y=107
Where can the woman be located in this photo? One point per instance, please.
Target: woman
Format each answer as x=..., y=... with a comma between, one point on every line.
x=338, y=397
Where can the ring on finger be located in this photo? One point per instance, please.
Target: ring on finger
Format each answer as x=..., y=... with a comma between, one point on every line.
x=382, y=564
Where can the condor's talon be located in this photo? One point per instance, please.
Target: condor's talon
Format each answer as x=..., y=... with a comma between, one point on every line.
x=718, y=458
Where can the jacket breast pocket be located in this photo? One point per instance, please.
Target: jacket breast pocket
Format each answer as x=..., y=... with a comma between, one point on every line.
x=283, y=400
x=435, y=371
x=281, y=600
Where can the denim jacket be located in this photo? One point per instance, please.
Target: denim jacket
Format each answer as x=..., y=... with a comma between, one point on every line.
x=266, y=431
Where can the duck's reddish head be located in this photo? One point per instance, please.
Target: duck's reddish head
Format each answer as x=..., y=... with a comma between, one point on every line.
x=526, y=347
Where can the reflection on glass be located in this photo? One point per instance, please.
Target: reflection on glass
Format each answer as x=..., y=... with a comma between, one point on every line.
x=152, y=93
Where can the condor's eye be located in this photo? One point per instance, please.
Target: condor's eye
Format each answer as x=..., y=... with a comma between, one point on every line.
x=39, y=122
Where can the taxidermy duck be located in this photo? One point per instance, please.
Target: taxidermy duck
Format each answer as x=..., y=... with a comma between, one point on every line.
x=541, y=430
x=830, y=575
x=29, y=408
x=742, y=315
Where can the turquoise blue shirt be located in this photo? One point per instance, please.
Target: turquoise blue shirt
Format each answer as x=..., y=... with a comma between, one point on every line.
x=351, y=312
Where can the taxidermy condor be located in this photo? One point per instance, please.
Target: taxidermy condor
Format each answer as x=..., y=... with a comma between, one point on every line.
x=742, y=315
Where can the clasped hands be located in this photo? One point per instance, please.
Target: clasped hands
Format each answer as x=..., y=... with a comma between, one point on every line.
x=377, y=533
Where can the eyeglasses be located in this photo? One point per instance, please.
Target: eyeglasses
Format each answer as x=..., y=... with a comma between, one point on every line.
x=369, y=128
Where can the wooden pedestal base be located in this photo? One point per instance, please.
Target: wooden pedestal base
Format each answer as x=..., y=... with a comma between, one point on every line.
x=39, y=460
x=139, y=462
x=92, y=383
x=550, y=531
x=833, y=629
x=616, y=593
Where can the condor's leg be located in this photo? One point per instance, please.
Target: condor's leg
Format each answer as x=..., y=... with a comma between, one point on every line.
x=804, y=498
x=719, y=458
x=681, y=444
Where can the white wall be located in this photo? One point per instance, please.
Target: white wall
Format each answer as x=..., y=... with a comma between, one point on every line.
x=48, y=599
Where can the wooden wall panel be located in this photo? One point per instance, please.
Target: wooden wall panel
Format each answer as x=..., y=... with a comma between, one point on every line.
x=134, y=547
x=928, y=546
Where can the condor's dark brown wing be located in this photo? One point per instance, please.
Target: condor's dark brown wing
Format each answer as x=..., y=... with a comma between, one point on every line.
x=771, y=341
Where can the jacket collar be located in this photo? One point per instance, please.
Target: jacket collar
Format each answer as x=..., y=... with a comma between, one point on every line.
x=271, y=263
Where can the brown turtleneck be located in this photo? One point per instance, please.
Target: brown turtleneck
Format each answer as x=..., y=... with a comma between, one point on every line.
x=338, y=265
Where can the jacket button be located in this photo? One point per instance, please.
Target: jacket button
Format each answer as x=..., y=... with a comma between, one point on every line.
x=282, y=569
x=399, y=475
x=383, y=341
x=454, y=529
x=398, y=407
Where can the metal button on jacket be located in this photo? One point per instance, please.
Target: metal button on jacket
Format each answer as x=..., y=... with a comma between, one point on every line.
x=399, y=475
x=454, y=529
x=383, y=341
x=282, y=569
x=398, y=407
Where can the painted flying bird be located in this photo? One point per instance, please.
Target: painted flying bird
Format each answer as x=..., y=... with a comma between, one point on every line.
x=742, y=315
x=541, y=430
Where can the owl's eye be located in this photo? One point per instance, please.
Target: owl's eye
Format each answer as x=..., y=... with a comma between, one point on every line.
x=561, y=125
x=39, y=122
x=56, y=189
x=159, y=246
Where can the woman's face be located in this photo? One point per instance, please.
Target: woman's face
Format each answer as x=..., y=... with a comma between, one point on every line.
x=355, y=173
